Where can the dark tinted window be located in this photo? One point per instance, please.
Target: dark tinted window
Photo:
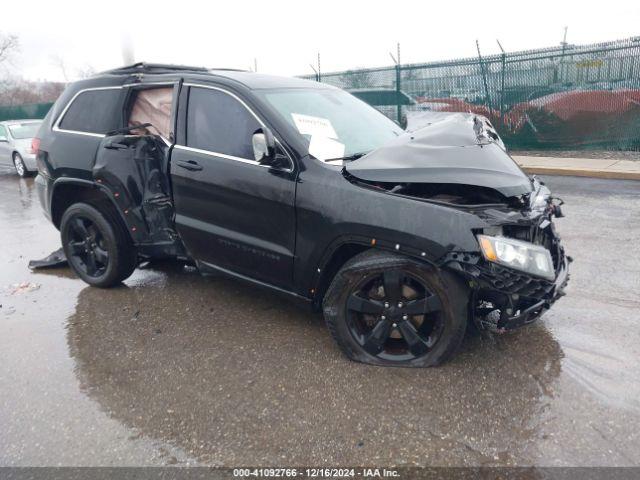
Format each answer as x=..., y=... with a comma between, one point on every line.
x=95, y=111
x=219, y=123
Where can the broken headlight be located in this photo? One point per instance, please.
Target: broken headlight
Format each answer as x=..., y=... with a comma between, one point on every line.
x=524, y=256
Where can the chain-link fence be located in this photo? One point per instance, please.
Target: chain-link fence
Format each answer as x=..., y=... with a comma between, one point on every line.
x=565, y=97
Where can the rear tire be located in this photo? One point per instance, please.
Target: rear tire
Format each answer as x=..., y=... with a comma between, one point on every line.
x=421, y=323
x=97, y=246
x=21, y=168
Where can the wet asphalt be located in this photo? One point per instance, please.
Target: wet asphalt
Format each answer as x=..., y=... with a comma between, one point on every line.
x=175, y=368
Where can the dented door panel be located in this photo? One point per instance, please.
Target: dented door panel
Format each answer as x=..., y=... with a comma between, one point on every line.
x=131, y=168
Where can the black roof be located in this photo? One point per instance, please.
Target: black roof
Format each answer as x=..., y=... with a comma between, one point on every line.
x=249, y=79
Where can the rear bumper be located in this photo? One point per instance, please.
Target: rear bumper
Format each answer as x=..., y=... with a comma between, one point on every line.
x=30, y=162
x=43, y=188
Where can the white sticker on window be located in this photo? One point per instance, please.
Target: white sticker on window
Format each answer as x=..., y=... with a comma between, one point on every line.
x=324, y=148
x=308, y=125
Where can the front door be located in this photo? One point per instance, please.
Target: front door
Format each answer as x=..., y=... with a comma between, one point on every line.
x=231, y=212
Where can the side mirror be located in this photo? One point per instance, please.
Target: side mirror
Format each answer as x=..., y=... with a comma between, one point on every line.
x=3, y=139
x=264, y=146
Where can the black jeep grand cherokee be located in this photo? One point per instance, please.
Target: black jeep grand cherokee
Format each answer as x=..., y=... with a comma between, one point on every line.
x=401, y=238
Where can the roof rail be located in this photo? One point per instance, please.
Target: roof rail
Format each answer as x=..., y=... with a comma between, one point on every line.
x=142, y=67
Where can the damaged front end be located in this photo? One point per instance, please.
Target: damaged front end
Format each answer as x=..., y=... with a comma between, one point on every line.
x=520, y=268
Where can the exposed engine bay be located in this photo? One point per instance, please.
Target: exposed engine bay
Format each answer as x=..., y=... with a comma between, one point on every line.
x=448, y=193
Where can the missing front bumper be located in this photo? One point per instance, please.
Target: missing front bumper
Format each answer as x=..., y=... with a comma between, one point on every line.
x=504, y=299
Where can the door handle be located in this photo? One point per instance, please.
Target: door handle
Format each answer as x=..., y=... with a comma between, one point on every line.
x=191, y=165
x=115, y=146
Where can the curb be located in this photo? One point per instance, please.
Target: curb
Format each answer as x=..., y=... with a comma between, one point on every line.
x=583, y=172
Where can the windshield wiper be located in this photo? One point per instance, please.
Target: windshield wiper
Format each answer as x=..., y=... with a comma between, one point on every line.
x=348, y=158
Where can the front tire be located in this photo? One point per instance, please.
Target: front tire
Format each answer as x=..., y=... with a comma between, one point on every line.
x=97, y=246
x=386, y=309
x=21, y=168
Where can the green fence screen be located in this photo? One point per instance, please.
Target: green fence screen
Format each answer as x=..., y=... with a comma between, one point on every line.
x=20, y=112
x=567, y=97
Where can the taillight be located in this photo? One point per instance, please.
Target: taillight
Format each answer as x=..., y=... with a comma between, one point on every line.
x=35, y=145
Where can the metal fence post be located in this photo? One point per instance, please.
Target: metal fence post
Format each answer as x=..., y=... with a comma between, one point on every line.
x=398, y=90
x=398, y=80
x=504, y=62
x=484, y=78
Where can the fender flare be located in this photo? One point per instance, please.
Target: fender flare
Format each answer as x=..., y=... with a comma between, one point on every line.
x=384, y=244
x=87, y=184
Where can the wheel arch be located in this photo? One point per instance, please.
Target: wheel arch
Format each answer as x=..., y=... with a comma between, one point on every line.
x=335, y=259
x=67, y=192
x=345, y=248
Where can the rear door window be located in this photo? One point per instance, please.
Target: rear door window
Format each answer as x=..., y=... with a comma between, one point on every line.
x=219, y=123
x=94, y=111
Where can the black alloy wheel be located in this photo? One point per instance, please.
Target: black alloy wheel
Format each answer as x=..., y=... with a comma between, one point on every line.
x=386, y=309
x=86, y=244
x=97, y=244
x=394, y=316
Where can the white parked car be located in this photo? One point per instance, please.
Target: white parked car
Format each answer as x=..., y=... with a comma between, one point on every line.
x=15, y=145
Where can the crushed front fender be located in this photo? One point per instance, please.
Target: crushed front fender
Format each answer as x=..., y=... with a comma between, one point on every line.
x=504, y=298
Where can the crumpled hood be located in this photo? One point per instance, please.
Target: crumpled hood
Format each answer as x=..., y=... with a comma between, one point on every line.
x=458, y=149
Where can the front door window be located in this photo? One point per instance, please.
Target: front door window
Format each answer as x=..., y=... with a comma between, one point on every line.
x=217, y=122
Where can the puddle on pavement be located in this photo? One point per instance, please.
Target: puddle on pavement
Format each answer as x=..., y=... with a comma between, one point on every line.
x=228, y=372
x=609, y=371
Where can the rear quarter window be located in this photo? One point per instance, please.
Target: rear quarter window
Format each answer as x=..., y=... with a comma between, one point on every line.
x=94, y=111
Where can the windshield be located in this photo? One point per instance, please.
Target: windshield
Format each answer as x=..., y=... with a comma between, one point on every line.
x=335, y=123
x=24, y=130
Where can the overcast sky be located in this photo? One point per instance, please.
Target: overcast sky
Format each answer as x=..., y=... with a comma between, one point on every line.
x=285, y=36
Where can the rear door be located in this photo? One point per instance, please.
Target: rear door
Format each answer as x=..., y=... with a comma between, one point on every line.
x=231, y=212
x=134, y=161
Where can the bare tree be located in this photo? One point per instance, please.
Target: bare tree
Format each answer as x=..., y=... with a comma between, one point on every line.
x=8, y=45
x=85, y=72
x=18, y=91
x=58, y=61
x=15, y=90
x=50, y=91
